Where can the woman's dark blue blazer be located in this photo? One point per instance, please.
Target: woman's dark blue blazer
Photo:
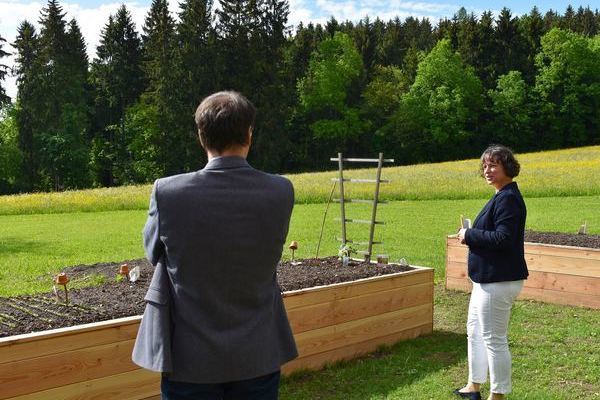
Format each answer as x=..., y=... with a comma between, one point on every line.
x=496, y=240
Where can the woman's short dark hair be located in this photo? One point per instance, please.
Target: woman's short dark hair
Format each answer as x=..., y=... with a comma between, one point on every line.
x=502, y=155
x=223, y=120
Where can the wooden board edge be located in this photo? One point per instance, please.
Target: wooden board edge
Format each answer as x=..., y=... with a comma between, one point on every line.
x=417, y=270
x=70, y=330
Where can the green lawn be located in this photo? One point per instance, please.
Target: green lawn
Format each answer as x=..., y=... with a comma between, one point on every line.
x=555, y=356
x=33, y=247
x=555, y=348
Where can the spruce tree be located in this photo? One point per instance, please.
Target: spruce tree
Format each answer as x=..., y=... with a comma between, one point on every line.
x=170, y=140
x=484, y=63
x=389, y=51
x=586, y=22
x=196, y=38
x=238, y=29
x=30, y=102
x=509, y=52
x=198, y=65
x=273, y=92
x=532, y=27
x=4, y=99
x=568, y=20
x=467, y=38
x=117, y=78
x=52, y=53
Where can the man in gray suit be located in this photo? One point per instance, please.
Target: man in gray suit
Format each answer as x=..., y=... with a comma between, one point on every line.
x=220, y=233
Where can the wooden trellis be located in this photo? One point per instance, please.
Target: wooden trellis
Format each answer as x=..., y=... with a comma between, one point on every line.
x=375, y=201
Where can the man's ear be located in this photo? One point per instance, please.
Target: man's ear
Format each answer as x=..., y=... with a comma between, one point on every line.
x=250, y=134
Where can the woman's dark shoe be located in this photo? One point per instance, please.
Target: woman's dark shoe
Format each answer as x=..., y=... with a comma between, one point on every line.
x=467, y=395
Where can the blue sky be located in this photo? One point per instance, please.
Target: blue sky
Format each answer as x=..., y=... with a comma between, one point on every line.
x=93, y=14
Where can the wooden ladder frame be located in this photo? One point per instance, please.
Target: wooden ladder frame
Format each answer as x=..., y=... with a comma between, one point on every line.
x=342, y=200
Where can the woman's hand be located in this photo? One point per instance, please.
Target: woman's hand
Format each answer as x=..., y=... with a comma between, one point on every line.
x=461, y=235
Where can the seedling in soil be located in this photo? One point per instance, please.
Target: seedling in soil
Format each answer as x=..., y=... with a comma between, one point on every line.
x=345, y=252
x=39, y=308
x=5, y=318
x=382, y=259
x=62, y=279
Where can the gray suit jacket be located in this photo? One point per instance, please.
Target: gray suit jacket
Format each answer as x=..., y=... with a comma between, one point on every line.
x=152, y=349
x=220, y=231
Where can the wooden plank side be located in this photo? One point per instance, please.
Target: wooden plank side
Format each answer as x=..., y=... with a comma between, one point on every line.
x=72, y=340
x=562, y=251
x=306, y=297
x=564, y=283
x=558, y=297
x=563, y=265
x=47, y=372
x=134, y=385
x=336, y=336
x=462, y=284
x=456, y=270
x=338, y=311
x=457, y=254
x=319, y=360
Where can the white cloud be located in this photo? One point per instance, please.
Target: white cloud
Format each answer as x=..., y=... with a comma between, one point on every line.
x=319, y=11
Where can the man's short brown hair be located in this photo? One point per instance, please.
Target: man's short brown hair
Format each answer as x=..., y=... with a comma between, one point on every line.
x=224, y=119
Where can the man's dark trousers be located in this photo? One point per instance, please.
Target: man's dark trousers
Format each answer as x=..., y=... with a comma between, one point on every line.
x=262, y=388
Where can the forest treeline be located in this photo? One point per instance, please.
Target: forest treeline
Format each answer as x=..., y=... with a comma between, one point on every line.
x=418, y=91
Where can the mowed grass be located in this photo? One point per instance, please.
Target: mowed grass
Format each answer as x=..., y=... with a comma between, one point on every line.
x=554, y=348
x=571, y=172
x=34, y=247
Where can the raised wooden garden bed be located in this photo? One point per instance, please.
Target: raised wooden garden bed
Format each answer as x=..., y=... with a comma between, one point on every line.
x=330, y=323
x=557, y=274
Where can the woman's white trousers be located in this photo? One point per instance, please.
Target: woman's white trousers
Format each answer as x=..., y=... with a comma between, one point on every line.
x=487, y=330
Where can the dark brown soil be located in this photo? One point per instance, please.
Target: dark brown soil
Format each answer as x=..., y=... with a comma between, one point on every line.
x=120, y=298
x=115, y=299
x=564, y=239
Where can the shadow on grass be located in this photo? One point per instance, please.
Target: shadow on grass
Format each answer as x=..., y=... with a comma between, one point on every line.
x=12, y=245
x=385, y=371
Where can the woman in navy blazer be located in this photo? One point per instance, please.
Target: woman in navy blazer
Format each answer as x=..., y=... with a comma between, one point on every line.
x=497, y=268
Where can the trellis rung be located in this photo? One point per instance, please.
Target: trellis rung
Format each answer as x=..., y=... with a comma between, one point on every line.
x=366, y=160
x=360, y=180
x=361, y=221
x=360, y=201
x=359, y=243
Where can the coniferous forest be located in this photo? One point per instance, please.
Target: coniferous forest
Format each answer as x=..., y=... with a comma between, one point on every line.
x=418, y=90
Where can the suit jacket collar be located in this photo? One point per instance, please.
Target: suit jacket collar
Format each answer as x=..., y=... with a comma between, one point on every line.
x=227, y=162
x=508, y=186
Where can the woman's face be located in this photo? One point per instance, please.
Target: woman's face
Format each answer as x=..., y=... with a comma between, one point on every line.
x=494, y=174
